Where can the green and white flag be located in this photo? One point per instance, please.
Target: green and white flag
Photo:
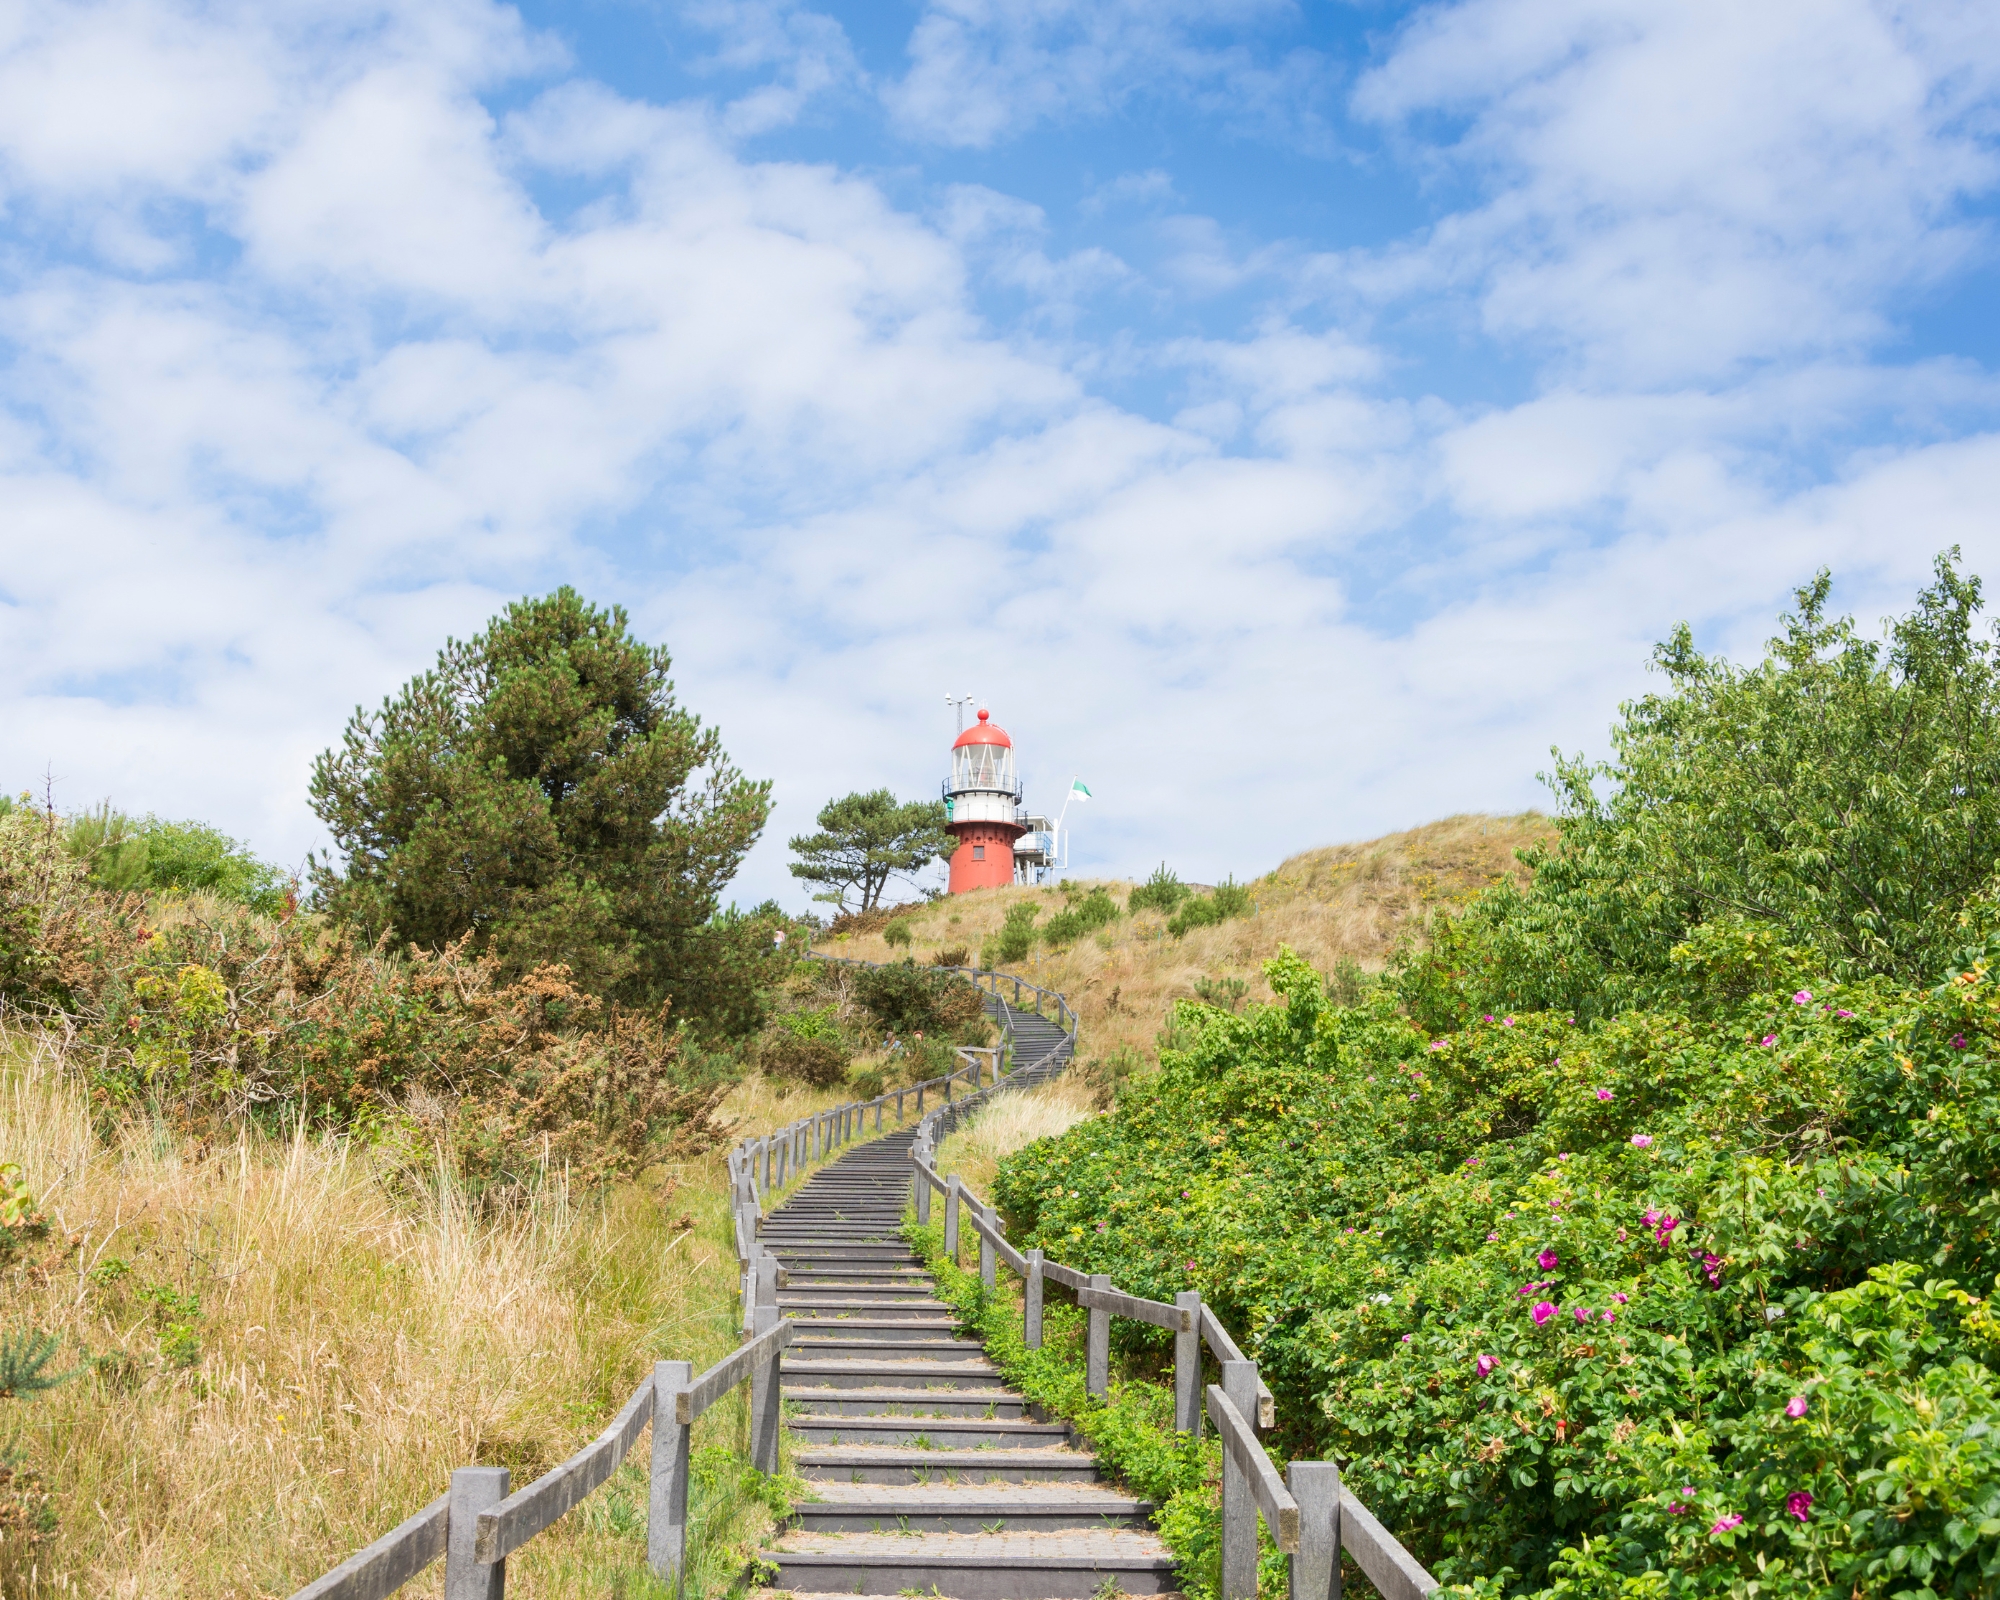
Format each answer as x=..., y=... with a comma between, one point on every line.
x=1077, y=791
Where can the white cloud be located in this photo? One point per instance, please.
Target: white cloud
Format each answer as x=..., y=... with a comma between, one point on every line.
x=986, y=70
x=1682, y=187
x=301, y=378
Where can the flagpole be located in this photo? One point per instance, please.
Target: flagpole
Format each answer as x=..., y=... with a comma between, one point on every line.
x=1075, y=778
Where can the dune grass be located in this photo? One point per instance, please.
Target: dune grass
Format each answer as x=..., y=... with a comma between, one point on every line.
x=1010, y=1122
x=286, y=1344
x=1349, y=903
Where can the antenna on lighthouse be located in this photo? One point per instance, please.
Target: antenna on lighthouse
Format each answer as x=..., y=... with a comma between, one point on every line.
x=961, y=702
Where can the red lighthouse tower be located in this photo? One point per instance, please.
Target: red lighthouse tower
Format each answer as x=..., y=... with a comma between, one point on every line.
x=983, y=798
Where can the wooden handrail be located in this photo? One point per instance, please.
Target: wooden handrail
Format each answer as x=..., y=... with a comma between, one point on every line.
x=1274, y=1500
x=380, y=1569
x=524, y=1513
x=731, y=1370
x=1175, y=1319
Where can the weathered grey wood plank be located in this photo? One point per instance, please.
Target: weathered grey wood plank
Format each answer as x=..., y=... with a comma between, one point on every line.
x=380, y=1569
x=997, y=1237
x=1224, y=1347
x=1068, y=1277
x=1176, y=1319
x=731, y=1370
x=1379, y=1553
x=525, y=1512
x=1274, y=1500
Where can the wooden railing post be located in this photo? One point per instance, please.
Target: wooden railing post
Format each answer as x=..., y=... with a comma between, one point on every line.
x=1187, y=1366
x=923, y=1189
x=667, y=1497
x=473, y=1490
x=765, y=1410
x=1316, y=1568
x=1239, y=1509
x=1097, y=1350
x=988, y=1272
x=899, y=1108
x=1031, y=1303
x=951, y=1218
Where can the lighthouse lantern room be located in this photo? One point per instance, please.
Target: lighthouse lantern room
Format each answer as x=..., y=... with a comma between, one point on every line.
x=983, y=800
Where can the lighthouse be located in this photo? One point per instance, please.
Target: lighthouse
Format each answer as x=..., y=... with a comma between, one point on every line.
x=982, y=797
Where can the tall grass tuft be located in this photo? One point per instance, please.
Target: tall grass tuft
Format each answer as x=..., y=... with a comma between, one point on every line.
x=287, y=1342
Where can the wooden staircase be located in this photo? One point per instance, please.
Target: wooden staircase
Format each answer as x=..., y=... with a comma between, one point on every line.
x=929, y=1474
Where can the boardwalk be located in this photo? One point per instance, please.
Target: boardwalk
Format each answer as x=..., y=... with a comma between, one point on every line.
x=928, y=1473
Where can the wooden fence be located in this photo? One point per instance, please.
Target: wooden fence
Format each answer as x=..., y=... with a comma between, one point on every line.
x=477, y=1523
x=1311, y=1514
x=759, y=1167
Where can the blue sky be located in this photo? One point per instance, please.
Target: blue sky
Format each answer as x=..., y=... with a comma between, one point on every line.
x=1295, y=419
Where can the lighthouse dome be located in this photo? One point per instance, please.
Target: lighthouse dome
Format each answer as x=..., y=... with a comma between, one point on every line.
x=983, y=758
x=984, y=731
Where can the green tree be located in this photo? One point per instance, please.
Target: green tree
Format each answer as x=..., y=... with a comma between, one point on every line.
x=1843, y=793
x=541, y=791
x=867, y=839
x=124, y=856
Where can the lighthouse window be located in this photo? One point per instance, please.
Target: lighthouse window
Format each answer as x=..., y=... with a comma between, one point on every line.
x=979, y=852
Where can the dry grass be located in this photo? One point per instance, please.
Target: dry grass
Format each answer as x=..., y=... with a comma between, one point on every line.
x=1350, y=902
x=1011, y=1122
x=362, y=1328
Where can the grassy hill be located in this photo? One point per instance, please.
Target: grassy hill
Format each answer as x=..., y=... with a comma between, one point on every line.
x=1344, y=904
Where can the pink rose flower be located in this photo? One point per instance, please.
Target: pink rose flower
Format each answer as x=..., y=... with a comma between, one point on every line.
x=1492, y=1238
x=1724, y=1524
x=1796, y=1407
x=1799, y=1504
x=1604, y=1094
x=1542, y=1312
x=1406, y=1338
x=1769, y=1040
x=1641, y=1141
x=1582, y=1313
x=1802, y=998
x=1958, y=1041
x=1620, y=1298
x=1486, y=1364
x=1610, y=1316
x=1548, y=1261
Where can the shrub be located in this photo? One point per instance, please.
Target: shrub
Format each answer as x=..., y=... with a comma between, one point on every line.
x=1347, y=983
x=1081, y=916
x=956, y=956
x=1225, y=994
x=865, y=1083
x=124, y=856
x=24, y=1360
x=908, y=999
x=1635, y=1238
x=897, y=934
x=1229, y=899
x=1015, y=938
x=820, y=1062
x=1162, y=892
